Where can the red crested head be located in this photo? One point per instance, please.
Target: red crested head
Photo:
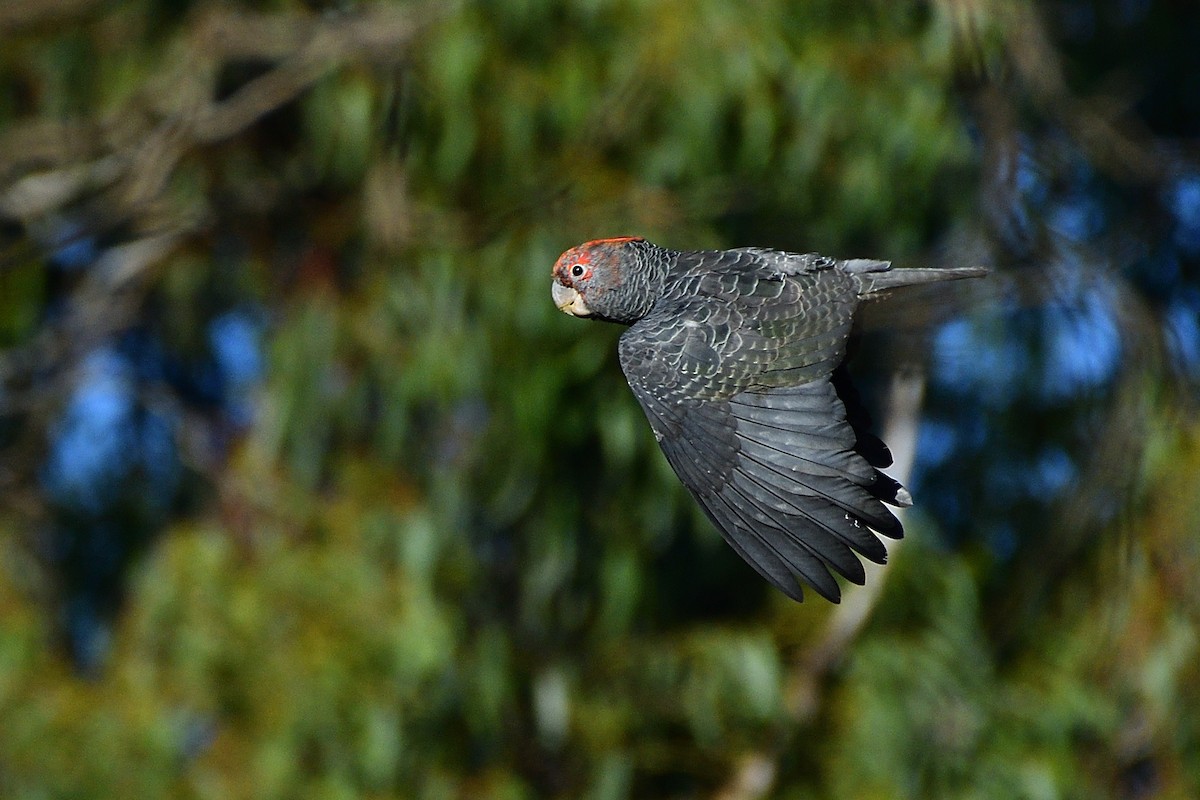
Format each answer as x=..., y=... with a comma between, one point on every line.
x=588, y=278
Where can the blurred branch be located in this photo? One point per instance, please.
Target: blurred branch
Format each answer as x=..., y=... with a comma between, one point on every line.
x=18, y=14
x=1101, y=124
x=754, y=777
x=1104, y=125
x=756, y=772
x=1109, y=476
x=119, y=168
x=309, y=49
x=847, y=620
x=42, y=193
x=142, y=151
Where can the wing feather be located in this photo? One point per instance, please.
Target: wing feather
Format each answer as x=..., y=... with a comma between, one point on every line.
x=741, y=533
x=823, y=540
x=737, y=380
x=766, y=533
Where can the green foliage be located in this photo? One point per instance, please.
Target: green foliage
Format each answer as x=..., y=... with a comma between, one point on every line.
x=447, y=560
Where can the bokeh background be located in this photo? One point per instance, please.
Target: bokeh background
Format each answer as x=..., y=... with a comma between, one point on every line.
x=307, y=491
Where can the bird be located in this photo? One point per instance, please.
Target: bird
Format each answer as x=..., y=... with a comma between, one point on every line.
x=736, y=358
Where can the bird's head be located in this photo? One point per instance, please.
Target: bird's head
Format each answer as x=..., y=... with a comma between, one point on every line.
x=603, y=279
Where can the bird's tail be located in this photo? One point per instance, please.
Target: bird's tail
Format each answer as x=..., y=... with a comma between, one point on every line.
x=878, y=276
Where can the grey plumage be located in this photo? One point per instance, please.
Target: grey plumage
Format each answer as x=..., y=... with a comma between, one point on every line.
x=735, y=357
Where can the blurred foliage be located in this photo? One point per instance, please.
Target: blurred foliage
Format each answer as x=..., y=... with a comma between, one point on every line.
x=307, y=491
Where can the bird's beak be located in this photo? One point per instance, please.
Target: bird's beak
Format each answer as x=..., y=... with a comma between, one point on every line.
x=568, y=300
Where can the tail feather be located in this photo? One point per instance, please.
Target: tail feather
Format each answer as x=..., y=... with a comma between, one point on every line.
x=878, y=276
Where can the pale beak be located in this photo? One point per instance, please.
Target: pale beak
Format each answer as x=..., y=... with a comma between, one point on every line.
x=568, y=300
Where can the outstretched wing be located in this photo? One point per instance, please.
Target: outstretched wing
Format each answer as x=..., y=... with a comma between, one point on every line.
x=737, y=380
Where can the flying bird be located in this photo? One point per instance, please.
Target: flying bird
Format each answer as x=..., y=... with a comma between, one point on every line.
x=735, y=356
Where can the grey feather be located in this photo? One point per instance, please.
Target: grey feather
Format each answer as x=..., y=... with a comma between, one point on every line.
x=874, y=282
x=735, y=361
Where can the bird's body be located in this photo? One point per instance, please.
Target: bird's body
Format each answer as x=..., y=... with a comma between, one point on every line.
x=735, y=357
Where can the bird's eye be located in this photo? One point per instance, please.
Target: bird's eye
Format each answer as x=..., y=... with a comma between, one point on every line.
x=577, y=271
